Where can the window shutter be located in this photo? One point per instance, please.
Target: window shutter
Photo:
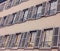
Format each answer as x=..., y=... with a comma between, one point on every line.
x=2, y=6
x=58, y=6
x=47, y=9
x=37, y=40
x=34, y=12
x=43, y=8
x=25, y=14
x=9, y=41
x=53, y=8
x=29, y=13
x=55, y=37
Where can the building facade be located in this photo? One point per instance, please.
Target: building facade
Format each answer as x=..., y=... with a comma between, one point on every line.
x=30, y=25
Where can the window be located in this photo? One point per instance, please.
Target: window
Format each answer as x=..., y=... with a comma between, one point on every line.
x=20, y=17
x=1, y=1
x=43, y=8
x=29, y=13
x=2, y=6
x=15, y=40
x=34, y=12
x=9, y=41
x=47, y=9
x=2, y=19
x=23, y=40
x=30, y=43
x=10, y=19
x=55, y=37
x=25, y=14
x=47, y=38
x=5, y=21
x=58, y=6
x=8, y=4
x=53, y=8
x=39, y=11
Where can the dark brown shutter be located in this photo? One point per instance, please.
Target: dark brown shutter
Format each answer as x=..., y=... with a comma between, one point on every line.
x=55, y=37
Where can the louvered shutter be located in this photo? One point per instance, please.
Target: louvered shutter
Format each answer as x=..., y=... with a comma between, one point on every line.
x=2, y=6
x=25, y=15
x=47, y=9
x=53, y=8
x=55, y=37
x=29, y=13
x=34, y=12
x=43, y=8
x=58, y=6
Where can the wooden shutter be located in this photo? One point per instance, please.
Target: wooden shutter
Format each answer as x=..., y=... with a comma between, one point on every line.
x=55, y=37
x=43, y=8
x=34, y=12
x=47, y=9
x=37, y=41
x=58, y=6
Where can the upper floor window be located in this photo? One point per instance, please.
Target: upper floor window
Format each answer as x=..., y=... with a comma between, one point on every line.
x=53, y=8
x=39, y=11
x=25, y=14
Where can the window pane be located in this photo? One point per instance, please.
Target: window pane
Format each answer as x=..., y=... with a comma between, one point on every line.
x=53, y=8
x=47, y=38
x=25, y=15
x=39, y=11
x=31, y=40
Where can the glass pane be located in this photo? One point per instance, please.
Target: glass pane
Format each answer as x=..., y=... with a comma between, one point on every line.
x=53, y=8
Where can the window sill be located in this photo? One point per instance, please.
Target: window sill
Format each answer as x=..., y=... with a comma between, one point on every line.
x=45, y=48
